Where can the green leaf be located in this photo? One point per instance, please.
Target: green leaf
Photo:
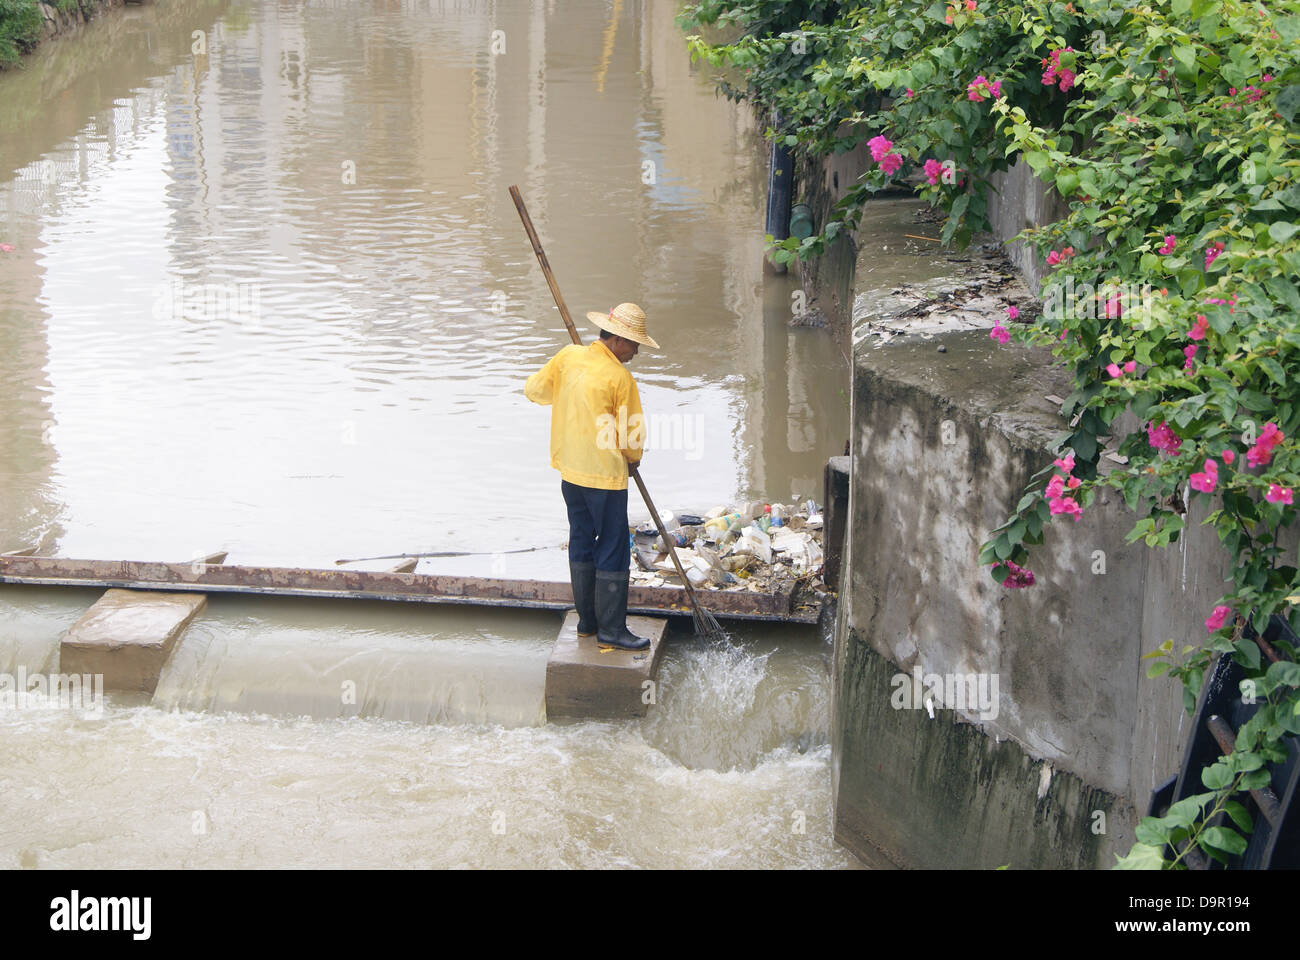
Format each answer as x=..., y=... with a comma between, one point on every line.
x=1273, y=369
x=1239, y=816
x=1283, y=673
x=1185, y=811
x=1281, y=231
x=1287, y=102
x=1037, y=161
x=1143, y=856
x=1216, y=776
x=1152, y=831
x=1223, y=838
x=1247, y=655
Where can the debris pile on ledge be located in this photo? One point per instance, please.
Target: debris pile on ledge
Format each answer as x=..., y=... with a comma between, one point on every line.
x=755, y=546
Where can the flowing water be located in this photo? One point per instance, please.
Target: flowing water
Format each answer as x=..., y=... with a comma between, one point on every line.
x=272, y=297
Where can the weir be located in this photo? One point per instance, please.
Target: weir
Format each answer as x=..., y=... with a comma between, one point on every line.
x=199, y=577
x=129, y=633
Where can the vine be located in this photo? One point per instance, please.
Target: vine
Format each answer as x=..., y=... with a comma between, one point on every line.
x=1169, y=129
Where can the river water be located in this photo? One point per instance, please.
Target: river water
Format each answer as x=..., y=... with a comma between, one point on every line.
x=272, y=297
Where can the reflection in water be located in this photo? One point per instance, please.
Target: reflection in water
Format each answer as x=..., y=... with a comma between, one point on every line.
x=284, y=282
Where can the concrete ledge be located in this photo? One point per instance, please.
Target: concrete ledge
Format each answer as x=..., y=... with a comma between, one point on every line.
x=127, y=636
x=584, y=682
x=943, y=446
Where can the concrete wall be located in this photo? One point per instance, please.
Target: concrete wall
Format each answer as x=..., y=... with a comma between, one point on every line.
x=1018, y=200
x=828, y=279
x=943, y=446
x=57, y=22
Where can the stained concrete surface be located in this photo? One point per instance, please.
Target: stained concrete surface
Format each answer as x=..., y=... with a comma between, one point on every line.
x=943, y=446
x=127, y=636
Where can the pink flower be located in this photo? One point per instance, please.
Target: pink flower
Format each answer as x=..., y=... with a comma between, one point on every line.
x=1170, y=242
x=1198, y=331
x=933, y=168
x=1000, y=333
x=976, y=89
x=971, y=4
x=1019, y=577
x=1206, y=481
x=1055, y=487
x=1212, y=253
x=1130, y=366
x=1278, y=494
x=1228, y=457
x=6, y=248
x=1189, y=352
x=1067, y=506
x=890, y=163
x=1114, y=370
x=1114, y=310
x=1262, y=452
x=1055, y=72
x=1162, y=437
x=1065, y=463
x=910, y=93
x=1053, y=258
x=1013, y=312
x=879, y=147
x=1215, y=620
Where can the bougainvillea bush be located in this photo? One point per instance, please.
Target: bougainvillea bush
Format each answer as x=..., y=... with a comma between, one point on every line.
x=1170, y=131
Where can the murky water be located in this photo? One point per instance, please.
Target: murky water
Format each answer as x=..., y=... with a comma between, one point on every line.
x=273, y=298
x=276, y=299
x=247, y=755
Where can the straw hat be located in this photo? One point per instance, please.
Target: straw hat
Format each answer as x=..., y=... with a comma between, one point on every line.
x=626, y=320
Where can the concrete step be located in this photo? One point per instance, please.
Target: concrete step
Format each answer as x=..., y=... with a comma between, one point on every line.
x=584, y=681
x=127, y=635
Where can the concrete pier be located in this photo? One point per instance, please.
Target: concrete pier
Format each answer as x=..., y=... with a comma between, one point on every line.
x=583, y=681
x=127, y=636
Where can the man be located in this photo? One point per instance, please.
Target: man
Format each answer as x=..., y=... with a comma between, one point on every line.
x=596, y=432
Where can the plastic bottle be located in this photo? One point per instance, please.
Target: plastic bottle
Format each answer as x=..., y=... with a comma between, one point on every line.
x=678, y=538
x=720, y=524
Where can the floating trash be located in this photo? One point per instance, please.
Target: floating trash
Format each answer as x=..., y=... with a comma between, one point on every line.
x=752, y=546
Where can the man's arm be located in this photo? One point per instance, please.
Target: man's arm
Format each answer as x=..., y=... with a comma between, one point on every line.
x=628, y=396
x=540, y=387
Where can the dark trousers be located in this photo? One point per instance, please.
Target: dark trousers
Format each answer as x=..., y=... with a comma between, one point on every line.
x=597, y=526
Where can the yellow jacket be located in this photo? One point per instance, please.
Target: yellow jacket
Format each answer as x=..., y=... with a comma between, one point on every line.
x=596, y=415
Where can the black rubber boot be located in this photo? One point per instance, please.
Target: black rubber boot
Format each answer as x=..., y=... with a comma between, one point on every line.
x=583, y=578
x=611, y=612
